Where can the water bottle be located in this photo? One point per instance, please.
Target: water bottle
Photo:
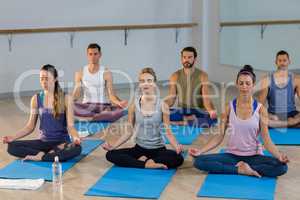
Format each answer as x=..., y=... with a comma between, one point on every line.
x=56, y=172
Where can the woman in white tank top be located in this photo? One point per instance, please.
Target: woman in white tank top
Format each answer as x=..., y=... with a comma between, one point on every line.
x=246, y=119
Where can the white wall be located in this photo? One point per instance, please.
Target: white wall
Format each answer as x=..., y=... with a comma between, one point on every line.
x=229, y=53
x=197, y=32
x=229, y=50
x=244, y=45
x=156, y=48
x=212, y=42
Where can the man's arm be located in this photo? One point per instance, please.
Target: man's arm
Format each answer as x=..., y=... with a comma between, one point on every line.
x=206, y=95
x=110, y=90
x=170, y=99
x=297, y=84
x=77, y=88
x=263, y=90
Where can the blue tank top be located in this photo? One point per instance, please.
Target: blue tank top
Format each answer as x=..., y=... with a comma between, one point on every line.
x=281, y=99
x=51, y=129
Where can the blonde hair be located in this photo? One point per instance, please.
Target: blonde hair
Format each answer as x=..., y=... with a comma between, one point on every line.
x=149, y=70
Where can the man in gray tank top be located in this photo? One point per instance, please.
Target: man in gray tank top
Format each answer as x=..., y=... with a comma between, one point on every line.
x=190, y=86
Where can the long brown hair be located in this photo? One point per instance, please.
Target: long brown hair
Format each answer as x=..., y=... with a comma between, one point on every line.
x=59, y=96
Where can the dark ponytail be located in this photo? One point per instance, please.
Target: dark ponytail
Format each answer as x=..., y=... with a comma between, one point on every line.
x=247, y=70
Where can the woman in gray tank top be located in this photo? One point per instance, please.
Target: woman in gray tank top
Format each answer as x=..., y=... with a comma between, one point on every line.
x=145, y=116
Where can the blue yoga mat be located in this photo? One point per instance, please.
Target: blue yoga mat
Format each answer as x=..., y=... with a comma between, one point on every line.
x=132, y=183
x=238, y=186
x=36, y=170
x=184, y=134
x=285, y=136
x=90, y=127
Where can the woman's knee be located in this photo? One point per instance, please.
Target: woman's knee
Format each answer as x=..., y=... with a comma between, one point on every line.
x=77, y=150
x=176, y=161
x=199, y=162
x=278, y=170
x=11, y=148
x=282, y=169
x=179, y=160
x=110, y=155
x=67, y=153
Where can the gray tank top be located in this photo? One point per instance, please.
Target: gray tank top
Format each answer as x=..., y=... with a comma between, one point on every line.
x=148, y=128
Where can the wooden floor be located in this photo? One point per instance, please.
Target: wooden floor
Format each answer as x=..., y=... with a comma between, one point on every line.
x=184, y=185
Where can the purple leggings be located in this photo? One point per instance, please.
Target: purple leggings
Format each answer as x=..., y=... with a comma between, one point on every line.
x=104, y=112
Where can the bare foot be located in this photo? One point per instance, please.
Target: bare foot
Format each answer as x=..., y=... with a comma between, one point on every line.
x=278, y=123
x=142, y=158
x=292, y=121
x=107, y=109
x=179, y=123
x=37, y=157
x=83, y=118
x=273, y=117
x=61, y=146
x=189, y=117
x=245, y=169
x=153, y=165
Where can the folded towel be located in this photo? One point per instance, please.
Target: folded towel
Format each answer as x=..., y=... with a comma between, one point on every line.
x=21, y=184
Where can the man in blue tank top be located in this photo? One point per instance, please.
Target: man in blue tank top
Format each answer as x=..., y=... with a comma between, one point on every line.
x=279, y=89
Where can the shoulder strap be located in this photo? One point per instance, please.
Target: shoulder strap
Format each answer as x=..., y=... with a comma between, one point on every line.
x=234, y=105
x=40, y=99
x=255, y=104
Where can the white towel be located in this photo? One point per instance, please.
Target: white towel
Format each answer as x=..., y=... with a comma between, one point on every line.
x=21, y=184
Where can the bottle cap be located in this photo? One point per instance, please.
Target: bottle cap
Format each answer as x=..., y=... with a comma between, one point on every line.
x=56, y=159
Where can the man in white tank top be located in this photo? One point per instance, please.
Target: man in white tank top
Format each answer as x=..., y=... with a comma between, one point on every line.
x=96, y=84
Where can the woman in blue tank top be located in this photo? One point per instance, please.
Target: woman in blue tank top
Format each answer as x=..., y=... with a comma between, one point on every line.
x=145, y=117
x=54, y=109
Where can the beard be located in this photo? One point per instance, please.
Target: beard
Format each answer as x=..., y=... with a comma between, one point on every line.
x=188, y=65
x=282, y=67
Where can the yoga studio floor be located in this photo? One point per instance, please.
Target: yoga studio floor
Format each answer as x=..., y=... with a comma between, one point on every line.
x=184, y=185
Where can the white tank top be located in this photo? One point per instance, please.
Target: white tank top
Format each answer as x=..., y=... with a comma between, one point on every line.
x=244, y=133
x=94, y=86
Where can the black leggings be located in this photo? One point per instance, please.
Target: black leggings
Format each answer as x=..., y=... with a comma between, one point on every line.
x=129, y=157
x=23, y=148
